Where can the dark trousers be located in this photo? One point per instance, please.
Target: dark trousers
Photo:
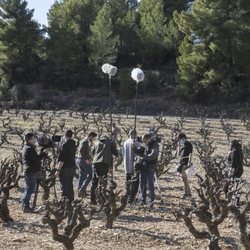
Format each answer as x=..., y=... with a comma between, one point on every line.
x=30, y=185
x=66, y=180
x=132, y=187
x=100, y=169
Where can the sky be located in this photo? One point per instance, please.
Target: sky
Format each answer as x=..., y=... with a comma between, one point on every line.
x=41, y=8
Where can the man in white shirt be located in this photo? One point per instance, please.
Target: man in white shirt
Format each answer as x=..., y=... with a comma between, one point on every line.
x=128, y=162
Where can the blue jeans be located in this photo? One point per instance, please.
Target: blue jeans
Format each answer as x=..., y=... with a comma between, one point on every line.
x=30, y=185
x=85, y=174
x=147, y=180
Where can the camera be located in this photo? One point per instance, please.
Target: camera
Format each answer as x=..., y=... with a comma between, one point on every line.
x=45, y=141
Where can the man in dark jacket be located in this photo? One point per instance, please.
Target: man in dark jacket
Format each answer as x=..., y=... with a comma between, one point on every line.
x=185, y=150
x=103, y=152
x=32, y=165
x=148, y=157
x=235, y=160
x=65, y=169
x=84, y=163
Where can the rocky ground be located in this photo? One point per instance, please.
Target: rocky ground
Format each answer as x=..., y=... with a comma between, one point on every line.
x=136, y=228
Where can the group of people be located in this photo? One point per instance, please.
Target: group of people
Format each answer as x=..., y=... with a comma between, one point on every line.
x=95, y=159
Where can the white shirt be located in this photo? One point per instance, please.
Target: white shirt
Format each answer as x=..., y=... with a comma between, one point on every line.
x=128, y=155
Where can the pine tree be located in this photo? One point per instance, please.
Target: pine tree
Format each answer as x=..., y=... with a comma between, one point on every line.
x=214, y=56
x=153, y=30
x=103, y=43
x=20, y=44
x=67, y=46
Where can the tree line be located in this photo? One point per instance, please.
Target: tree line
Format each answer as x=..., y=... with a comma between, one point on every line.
x=198, y=49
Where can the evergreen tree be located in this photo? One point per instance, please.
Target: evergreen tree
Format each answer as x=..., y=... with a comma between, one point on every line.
x=67, y=46
x=21, y=43
x=103, y=43
x=214, y=56
x=153, y=30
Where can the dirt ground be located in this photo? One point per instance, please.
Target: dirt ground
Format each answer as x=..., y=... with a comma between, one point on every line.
x=136, y=228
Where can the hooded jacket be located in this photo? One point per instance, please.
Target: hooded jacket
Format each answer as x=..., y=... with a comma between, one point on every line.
x=104, y=151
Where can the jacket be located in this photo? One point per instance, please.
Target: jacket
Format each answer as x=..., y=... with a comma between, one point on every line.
x=185, y=149
x=235, y=161
x=30, y=159
x=67, y=154
x=148, y=156
x=104, y=151
x=84, y=150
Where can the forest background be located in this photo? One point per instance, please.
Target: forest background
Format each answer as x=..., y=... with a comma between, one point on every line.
x=192, y=52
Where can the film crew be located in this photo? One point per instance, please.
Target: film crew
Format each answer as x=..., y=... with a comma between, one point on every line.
x=128, y=162
x=184, y=153
x=103, y=153
x=234, y=163
x=84, y=163
x=32, y=165
x=148, y=152
x=65, y=168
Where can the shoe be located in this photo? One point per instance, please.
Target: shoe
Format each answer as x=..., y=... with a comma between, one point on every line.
x=28, y=210
x=82, y=194
x=151, y=206
x=186, y=196
x=93, y=202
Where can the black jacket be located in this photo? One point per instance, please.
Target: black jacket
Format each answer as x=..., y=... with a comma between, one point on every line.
x=67, y=154
x=148, y=155
x=185, y=149
x=31, y=160
x=235, y=161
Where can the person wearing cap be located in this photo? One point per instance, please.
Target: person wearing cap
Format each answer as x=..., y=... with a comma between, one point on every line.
x=184, y=152
x=65, y=168
x=32, y=164
x=128, y=162
x=84, y=163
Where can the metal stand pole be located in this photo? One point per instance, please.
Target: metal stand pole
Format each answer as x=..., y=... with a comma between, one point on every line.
x=110, y=107
x=136, y=87
x=111, y=120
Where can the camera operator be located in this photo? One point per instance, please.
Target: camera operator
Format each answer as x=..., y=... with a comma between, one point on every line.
x=185, y=150
x=102, y=161
x=65, y=169
x=84, y=163
x=32, y=165
x=149, y=152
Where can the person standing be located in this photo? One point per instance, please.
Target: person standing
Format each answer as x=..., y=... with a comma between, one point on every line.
x=235, y=160
x=103, y=153
x=185, y=150
x=32, y=165
x=65, y=168
x=84, y=163
x=128, y=162
x=148, y=158
x=234, y=163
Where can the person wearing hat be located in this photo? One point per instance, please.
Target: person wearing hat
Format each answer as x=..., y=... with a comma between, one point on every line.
x=32, y=165
x=185, y=150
